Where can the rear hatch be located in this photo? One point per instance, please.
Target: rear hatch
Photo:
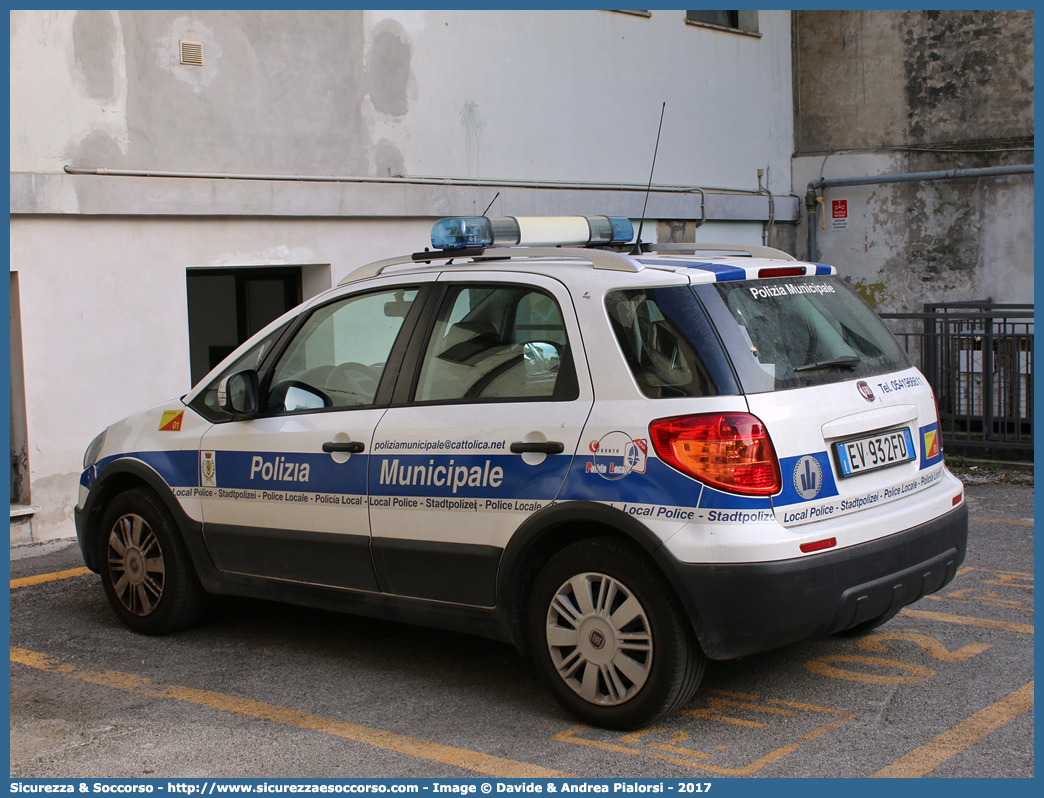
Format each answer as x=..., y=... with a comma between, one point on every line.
x=854, y=425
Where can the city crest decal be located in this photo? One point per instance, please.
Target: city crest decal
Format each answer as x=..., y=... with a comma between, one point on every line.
x=208, y=469
x=616, y=455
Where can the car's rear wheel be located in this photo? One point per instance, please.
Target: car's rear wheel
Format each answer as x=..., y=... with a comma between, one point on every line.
x=609, y=636
x=147, y=573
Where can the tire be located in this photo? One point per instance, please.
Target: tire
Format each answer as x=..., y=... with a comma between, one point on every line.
x=621, y=673
x=148, y=576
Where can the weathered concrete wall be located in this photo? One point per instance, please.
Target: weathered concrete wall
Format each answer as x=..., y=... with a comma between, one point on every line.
x=892, y=92
x=894, y=78
x=913, y=243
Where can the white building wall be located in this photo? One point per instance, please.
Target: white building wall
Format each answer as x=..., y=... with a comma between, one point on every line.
x=104, y=320
x=527, y=95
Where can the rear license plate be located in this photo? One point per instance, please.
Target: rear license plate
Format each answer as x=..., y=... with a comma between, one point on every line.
x=874, y=451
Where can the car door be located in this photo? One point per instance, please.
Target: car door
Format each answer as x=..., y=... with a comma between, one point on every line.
x=483, y=438
x=285, y=492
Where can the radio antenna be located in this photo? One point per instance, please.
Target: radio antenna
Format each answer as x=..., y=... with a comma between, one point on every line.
x=641, y=223
x=490, y=204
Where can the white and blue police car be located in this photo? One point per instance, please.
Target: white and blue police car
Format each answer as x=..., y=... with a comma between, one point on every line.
x=623, y=460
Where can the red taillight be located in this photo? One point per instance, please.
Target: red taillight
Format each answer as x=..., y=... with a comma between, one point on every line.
x=729, y=451
x=782, y=271
x=957, y=499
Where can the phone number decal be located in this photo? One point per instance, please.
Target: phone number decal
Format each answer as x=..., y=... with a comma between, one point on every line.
x=900, y=384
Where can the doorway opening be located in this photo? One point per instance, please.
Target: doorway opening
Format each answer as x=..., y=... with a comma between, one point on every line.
x=227, y=306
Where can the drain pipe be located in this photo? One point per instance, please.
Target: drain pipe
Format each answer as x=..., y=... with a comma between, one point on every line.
x=812, y=199
x=417, y=181
x=440, y=181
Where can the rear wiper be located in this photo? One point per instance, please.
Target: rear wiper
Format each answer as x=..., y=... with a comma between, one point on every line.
x=847, y=361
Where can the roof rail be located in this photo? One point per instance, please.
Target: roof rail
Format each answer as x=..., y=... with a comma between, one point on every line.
x=598, y=258
x=753, y=250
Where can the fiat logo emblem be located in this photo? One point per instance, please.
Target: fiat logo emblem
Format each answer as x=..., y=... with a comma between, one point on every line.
x=597, y=639
x=865, y=390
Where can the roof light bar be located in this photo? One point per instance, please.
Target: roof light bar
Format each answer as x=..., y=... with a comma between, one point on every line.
x=530, y=231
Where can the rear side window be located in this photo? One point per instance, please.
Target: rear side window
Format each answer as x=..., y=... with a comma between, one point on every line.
x=497, y=343
x=664, y=338
x=806, y=331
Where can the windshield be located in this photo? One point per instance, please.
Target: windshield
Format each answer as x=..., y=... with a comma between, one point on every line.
x=806, y=331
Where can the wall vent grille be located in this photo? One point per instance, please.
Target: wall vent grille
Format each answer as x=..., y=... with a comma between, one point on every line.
x=191, y=53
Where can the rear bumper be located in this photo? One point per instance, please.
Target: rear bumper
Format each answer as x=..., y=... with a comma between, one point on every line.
x=743, y=608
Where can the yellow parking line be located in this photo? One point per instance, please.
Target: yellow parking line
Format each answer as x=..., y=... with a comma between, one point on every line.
x=422, y=749
x=1000, y=521
x=964, y=620
x=923, y=760
x=39, y=579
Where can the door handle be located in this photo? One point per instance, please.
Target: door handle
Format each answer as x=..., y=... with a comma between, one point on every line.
x=352, y=447
x=537, y=447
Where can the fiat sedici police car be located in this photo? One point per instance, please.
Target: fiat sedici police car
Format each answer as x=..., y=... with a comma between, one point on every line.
x=622, y=460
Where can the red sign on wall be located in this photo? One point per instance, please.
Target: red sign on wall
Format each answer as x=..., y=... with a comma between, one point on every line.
x=838, y=214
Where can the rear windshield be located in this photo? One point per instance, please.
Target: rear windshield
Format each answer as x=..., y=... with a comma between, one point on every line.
x=796, y=332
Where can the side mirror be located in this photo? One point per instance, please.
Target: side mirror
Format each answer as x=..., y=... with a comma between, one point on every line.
x=542, y=358
x=238, y=393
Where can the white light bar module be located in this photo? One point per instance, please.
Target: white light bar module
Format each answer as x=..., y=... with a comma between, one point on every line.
x=530, y=231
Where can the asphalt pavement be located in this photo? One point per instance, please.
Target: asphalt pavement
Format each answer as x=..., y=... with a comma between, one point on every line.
x=267, y=690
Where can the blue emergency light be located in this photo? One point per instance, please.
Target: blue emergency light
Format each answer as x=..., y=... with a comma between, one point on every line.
x=530, y=231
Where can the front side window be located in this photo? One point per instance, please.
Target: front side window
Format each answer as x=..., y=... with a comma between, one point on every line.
x=206, y=402
x=808, y=331
x=337, y=358
x=497, y=342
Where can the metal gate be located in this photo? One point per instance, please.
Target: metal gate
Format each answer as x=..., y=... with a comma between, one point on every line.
x=978, y=358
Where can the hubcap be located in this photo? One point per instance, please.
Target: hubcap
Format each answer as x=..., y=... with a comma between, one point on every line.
x=135, y=564
x=599, y=638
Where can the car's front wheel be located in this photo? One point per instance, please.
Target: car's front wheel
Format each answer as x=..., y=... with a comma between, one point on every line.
x=148, y=576
x=609, y=636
